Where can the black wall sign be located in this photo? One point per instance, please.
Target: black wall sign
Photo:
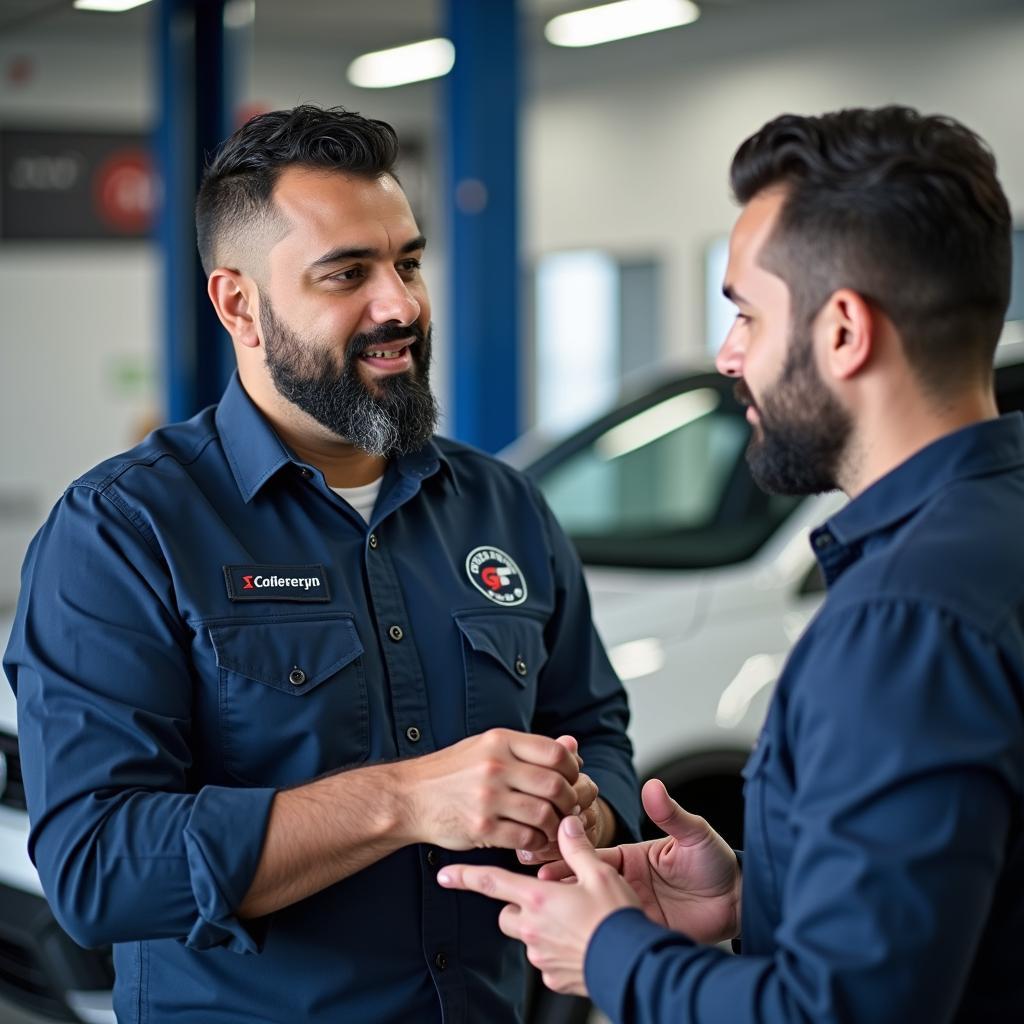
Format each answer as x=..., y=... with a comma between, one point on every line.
x=75, y=185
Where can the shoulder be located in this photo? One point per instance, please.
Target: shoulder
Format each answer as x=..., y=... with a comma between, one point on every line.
x=473, y=466
x=172, y=448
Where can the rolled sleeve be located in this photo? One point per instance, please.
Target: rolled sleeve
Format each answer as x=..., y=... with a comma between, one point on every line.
x=98, y=659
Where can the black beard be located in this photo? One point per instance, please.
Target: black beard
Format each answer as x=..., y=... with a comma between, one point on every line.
x=397, y=415
x=802, y=431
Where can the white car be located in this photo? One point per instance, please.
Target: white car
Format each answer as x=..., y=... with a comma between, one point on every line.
x=700, y=585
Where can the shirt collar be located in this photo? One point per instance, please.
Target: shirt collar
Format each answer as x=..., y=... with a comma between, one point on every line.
x=255, y=452
x=988, y=447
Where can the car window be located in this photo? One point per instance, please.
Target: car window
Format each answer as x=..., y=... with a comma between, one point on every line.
x=664, y=483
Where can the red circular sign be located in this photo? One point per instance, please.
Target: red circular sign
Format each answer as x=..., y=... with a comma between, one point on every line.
x=124, y=191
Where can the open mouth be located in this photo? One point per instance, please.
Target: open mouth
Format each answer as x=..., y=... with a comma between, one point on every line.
x=392, y=357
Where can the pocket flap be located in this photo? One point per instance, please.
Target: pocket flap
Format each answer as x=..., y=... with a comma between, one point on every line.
x=285, y=651
x=516, y=642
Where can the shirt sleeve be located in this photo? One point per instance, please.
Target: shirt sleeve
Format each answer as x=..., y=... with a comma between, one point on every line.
x=126, y=849
x=579, y=693
x=904, y=728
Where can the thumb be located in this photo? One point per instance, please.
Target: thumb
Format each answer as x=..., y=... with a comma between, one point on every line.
x=672, y=819
x=575, y=848
x=570, y=744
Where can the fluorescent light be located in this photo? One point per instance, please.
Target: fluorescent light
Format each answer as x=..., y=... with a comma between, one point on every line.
x=108, y=6
x=416, y=62
x=619, y=21
x=654, y=423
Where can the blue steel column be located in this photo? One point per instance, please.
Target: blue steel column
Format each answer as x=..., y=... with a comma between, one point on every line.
x=481, y=126
x=194, y=118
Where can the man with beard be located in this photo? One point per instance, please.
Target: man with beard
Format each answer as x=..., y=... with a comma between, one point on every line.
x=276, y=663
x=883, y=875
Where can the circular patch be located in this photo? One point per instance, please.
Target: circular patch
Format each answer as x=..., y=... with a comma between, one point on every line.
x=496, y=576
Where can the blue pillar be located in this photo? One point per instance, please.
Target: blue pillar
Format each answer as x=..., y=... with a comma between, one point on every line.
x=481, y=125
x=194, y=118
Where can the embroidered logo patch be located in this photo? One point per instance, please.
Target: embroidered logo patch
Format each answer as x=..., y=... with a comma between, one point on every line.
x=276, y=583
x=496, y=576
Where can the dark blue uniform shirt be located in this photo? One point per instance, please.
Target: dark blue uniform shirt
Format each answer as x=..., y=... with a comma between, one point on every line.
x=883, y=869
x=203, y=621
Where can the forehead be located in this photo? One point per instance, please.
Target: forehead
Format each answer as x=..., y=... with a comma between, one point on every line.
x=752, y=230
x=325, y=209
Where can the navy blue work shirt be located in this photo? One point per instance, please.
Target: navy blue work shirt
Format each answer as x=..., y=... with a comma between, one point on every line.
x=203, y=621
x=883, y=869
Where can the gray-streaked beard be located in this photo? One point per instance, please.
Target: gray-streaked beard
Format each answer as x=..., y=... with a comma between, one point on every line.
x=394, y=416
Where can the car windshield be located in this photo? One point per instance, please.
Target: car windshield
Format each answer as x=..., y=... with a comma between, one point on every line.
x=663, y=482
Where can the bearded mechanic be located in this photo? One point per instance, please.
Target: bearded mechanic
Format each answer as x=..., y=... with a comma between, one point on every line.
x=274, y=664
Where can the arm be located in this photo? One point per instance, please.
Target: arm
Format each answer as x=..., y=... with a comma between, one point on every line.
x=900, y=838
x=125, y=847
x=579, y=694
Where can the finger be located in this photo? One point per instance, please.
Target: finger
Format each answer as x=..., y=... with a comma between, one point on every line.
x=570, y=744
x=544, y=752
x=576, y=849
x=530, y=811
x=543, y=784
x=497, y=883
x=586, y=790
x=591, y=820
x=510, y=921
x=531, y=858
x=672, y=819
x=558, y=870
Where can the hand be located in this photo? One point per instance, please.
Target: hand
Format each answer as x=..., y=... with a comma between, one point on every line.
x=689, y=881
x=499, y=789
x=593, y=813
x=555, y=921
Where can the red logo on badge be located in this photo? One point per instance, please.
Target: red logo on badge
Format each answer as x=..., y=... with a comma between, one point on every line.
x=248, y=583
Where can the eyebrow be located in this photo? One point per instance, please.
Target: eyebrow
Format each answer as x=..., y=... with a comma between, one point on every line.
x=734, y=296
x=343, y=253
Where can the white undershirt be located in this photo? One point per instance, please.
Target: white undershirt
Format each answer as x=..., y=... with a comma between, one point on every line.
x=362, y=499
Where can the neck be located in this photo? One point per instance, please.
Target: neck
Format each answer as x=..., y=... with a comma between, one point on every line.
x=342, y=464
x=900, y=428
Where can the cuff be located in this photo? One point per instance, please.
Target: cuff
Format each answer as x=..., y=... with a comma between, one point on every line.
x=615, y=948
x=223, y=842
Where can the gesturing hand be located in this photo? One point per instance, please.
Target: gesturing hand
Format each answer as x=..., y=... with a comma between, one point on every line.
x=499, y=789
x=689, y=881
x=556, y=921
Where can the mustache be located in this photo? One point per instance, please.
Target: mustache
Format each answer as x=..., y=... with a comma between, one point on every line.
x=360, y=343
x=743, y=394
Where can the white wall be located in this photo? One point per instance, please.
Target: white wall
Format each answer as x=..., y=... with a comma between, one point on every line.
x=641, y=167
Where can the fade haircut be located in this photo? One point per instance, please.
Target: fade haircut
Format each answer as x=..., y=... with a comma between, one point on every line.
x=903, y=209
x=235, y=197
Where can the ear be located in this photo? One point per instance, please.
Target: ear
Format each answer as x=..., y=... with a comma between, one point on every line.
x=234, y=297
x=847, y=325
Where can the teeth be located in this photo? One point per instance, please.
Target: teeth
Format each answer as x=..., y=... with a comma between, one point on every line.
x=384, y=355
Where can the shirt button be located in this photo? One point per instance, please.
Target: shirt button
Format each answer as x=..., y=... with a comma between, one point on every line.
x=396, y=634
x=432, y=858
x=296, y=677
x=413, y=734
x=823, y=540
x=373, y=541
x=521, y=666
x=441, y=961
x=305, y=472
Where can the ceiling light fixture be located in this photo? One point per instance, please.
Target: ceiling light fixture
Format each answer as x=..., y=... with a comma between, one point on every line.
x=384, y=69
x=108, y=6
x=621, y=20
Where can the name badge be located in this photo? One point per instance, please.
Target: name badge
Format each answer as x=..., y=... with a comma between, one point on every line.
x=276, y=583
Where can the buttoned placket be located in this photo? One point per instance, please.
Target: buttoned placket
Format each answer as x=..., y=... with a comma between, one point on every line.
x=413, y=735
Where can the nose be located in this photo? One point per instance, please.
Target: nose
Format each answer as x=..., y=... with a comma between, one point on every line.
x=729, y=360
x=392, y=302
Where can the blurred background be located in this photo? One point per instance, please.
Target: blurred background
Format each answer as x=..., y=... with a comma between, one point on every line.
x=573, y=188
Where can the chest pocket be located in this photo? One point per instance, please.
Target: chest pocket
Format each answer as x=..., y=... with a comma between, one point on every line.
x=292, y=698
x=503, y=654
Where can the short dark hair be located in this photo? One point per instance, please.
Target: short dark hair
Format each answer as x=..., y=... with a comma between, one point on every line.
x=237, y=186
x=904, y=209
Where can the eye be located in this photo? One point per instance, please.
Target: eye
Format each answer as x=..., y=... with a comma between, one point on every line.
x=743, y=318
x=409, y=266
x=349, y=274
